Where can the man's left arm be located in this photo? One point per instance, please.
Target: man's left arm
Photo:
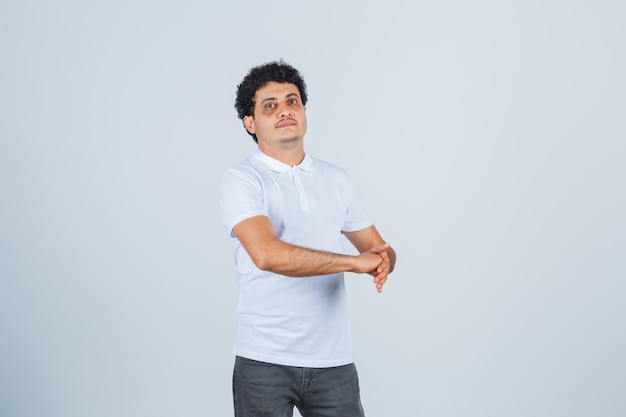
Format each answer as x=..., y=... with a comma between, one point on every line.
x=369, y=239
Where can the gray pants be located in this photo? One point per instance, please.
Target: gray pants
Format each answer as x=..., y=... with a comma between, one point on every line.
x=267, y=390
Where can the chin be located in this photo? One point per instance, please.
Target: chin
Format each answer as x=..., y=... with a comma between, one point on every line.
x=291, y=139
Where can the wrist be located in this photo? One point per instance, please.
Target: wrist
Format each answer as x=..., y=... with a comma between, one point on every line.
x=352, y=263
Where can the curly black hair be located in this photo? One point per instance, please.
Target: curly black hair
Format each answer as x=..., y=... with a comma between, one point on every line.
x=258, y=77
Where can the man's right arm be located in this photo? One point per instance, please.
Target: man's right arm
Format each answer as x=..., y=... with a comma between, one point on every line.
x=269, y=253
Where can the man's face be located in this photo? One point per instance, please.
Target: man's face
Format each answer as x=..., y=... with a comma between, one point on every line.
x=279, y=119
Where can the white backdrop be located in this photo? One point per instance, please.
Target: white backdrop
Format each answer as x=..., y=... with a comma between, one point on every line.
x=486, y=138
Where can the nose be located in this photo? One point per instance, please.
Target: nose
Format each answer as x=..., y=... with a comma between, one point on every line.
x=284, y=110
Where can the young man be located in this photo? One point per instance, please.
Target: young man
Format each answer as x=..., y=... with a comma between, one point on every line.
x=286, y=211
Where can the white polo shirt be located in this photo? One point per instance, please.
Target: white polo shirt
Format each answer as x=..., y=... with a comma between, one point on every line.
x=280, y=319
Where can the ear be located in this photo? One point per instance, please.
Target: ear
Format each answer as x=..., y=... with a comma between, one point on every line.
x=248, y=123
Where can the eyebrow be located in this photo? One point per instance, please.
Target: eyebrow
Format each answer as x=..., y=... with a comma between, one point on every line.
x=274, y=98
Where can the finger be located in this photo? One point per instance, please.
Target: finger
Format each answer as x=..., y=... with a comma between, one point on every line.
x=380, y=279
x=379, y=286
x=380, y=248
x=384, y=265
x=385, y=261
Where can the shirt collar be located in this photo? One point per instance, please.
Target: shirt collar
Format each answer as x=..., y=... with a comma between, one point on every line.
x=278, y=166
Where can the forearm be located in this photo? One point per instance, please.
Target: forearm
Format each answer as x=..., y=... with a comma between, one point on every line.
x=295, y=261
x=269, y=253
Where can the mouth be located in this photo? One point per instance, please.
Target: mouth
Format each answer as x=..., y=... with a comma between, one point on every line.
x=286, y=123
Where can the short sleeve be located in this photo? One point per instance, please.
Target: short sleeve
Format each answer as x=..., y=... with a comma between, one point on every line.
x=356, y=215
x=241, y=197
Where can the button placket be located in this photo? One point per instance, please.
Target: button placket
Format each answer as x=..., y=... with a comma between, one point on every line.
x=297, y=181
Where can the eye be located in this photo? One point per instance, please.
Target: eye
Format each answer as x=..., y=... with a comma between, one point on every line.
x=293, y=101
x=269, y=106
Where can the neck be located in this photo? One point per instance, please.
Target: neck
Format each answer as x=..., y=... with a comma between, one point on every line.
x=290, y=157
